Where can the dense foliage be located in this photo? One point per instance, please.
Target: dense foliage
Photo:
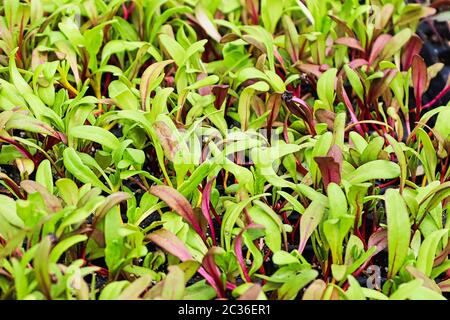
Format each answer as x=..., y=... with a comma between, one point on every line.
x=202, y=149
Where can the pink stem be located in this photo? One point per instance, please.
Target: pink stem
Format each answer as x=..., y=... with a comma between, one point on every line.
x=439, y=96
x=206, y=208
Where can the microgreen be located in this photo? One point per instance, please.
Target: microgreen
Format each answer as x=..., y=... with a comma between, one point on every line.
x=273, y=149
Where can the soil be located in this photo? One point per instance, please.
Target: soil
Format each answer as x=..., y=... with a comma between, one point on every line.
x=436, y=49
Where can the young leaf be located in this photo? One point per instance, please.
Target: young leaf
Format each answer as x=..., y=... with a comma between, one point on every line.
x=271, y=11
x=419, y=78
x=73, y=164
x=178, y=203
x=245, y=102
x=427, y=252
x=206, y=22
x=398, y=230
x=95, y=134
x=395, y=43
x=44, y=175
x=355, y=81
x=326, y=87
x=378, y=169
x=149, y=81
x=309, y=221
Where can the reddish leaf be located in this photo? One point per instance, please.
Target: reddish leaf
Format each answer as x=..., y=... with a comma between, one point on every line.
x=252, y=293
x=308, y=68
x=378, y=239
x=229, y=37
x=273, y=104
x=210, y=266
x=206, y=23
x=278, y=56
x=378, y=46
x=301, y=109
x=220, y=92
x=350, y=42
x=396, y=43
x=206, y=195
x=110, y=202
x=354, y=64
x=52, y=202
x=412, y=48
x=326, y=116
x=238, y=248
x=206, y=89
x=341, y=92
x=178, y=203
x=10, y=183
x=166, y=139
x=442, y=256
x=419, y=78
x=169, y=242
x=330, y=166
x=148, y=77
x=342, y=24
x=380, y=85
x=19, y=147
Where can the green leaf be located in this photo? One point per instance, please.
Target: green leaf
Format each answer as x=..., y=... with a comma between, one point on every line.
x=372, y=150
x=123, y=96
x=359, y=142
x=68, y=191
x=401, y=160
x=175, y=50
x=74, y=164
x=42, y=266
x=149, y=81
x=229, y=220
x=96, y=134
x=355, y=81
x=9, y=211
x=271, y=11
x=118, y=46
x=378, y=169
x=325, y=87
x=245, y=102
x=442, y=125
x=398, y=231
x=173, y=288
x=64, y=245
x=309, y=222
x=294, y=202
x=44, y=175
x=283, y=258
x=354, y=291
x=337, y=201
x=272, y=227
x=428, y=155
x=427, y=252
x=112, y=290
x=275, y=81
x=134, y=290
x=395, y=43
x=290, y=289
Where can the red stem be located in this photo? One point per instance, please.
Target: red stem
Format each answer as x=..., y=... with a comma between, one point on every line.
x=439, y=96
